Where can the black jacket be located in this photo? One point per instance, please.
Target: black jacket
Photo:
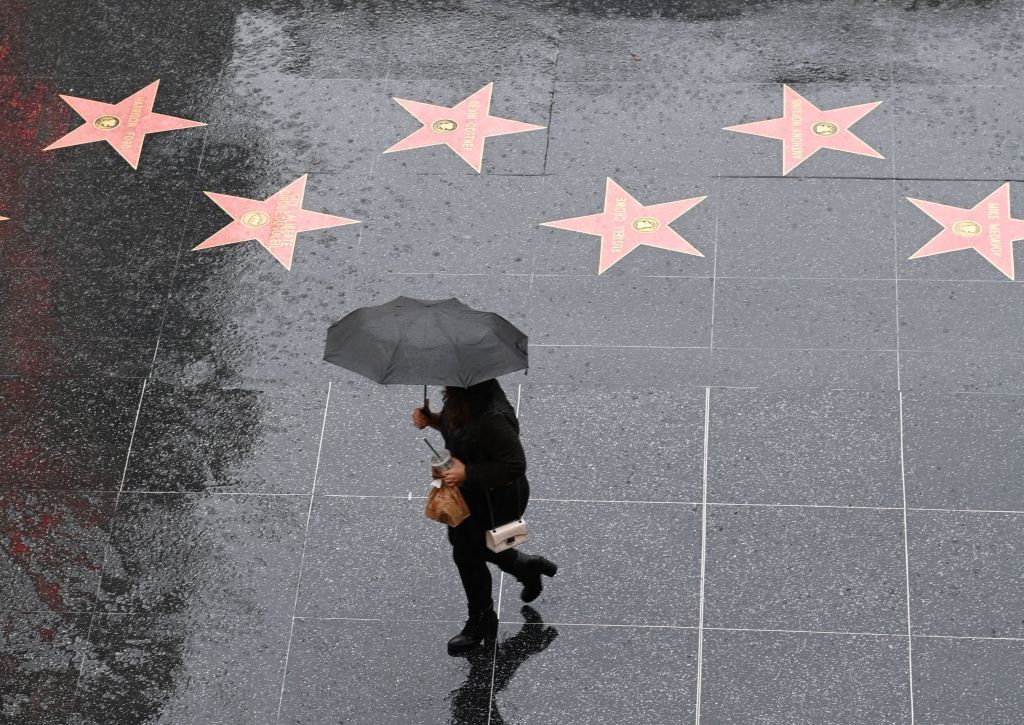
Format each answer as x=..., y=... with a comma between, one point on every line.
x=488, y=444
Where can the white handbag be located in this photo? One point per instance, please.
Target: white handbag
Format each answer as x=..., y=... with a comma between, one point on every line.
x=506, y=536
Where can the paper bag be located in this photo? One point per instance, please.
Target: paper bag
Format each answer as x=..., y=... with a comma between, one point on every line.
x=446, y=505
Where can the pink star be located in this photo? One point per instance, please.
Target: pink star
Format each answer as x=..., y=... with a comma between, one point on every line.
x=625, y=224
x=804, y=129
x=274, y=223
x=987, y=228
x=463, y=128
x=123, y=125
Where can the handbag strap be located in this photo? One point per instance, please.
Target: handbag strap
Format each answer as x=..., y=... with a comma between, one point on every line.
x=489, y=509
x=496, y=409
x=519, y=500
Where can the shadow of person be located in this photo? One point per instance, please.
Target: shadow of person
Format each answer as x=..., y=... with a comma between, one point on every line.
x=472, y=701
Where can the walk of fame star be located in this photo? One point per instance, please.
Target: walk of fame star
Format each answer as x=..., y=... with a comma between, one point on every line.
x=463, y=128
x=625, y=224
x=275, y=223
x=123, y=125
x=987, y=228
x=804, y=129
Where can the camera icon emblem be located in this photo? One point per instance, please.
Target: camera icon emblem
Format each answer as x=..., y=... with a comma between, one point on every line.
x=646, y=224
x=444, y=125
x=255, y=219
x=967, y=229
x=825, y=128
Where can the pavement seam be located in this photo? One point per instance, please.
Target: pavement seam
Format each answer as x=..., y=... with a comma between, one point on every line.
x=899, y=378
x=906, y=561
x=302, y=559
x=692, y=504
x=551, y=113
x=604, y=625
x=106, y=549
x=703, y=549
x=196, y=173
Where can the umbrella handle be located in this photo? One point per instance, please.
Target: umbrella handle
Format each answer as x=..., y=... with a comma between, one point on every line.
x=426, y=401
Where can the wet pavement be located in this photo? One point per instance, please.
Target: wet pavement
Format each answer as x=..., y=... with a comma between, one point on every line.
x=778, y=459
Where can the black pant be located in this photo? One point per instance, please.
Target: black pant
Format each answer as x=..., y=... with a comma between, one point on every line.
x=470, y=551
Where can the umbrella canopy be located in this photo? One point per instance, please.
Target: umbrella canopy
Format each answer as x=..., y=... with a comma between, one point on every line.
x=426, y=342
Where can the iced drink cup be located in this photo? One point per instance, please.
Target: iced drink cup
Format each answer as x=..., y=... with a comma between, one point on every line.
x=442, y=463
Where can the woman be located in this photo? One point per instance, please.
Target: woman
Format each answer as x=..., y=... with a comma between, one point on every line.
x=481, y=431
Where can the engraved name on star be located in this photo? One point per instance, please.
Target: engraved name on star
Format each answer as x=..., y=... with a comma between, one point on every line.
x=626, y=224
x=274, y=223
x=123, y=125
x=463, y=128
x=987, y=228
x=805, y=129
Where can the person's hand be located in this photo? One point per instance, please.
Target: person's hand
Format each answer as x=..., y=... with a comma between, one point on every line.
x=420, y=418
x=456, y=475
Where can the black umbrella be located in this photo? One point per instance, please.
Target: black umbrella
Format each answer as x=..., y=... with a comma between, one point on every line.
x=426, y=342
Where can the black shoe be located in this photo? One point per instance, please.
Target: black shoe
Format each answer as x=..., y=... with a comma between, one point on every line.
x=480, y=627
x=532, y=568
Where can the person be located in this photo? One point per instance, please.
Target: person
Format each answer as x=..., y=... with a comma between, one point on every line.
x=481, y=431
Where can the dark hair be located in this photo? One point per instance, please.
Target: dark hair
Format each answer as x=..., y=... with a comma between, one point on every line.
x=463, y=404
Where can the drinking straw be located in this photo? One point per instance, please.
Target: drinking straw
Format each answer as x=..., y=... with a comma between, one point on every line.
x=438, y=455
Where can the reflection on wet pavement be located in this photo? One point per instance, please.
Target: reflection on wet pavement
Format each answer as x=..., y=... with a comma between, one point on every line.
x=781, y=476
